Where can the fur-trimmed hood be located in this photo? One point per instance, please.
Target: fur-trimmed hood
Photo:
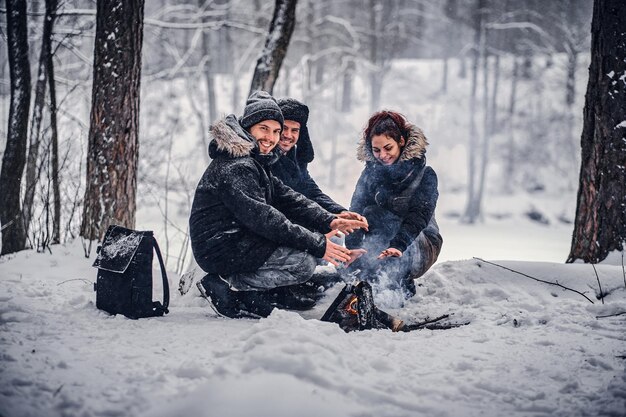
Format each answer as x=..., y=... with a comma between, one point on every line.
x=229, y=138
x=415, y=147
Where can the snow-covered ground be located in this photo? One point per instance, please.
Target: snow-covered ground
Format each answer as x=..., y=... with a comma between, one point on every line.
x=530, y=349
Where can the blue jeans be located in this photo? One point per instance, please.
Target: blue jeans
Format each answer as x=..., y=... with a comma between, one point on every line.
x=285, y=266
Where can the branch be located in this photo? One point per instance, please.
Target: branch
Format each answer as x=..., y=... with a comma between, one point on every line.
x=611, y=315
x=75, y=279
x=536, y=279
x=432, y=324
x=599, y=285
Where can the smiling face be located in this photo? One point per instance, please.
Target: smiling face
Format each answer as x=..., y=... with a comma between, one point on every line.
x=290, y=135
x=267, y=134
x=386, y=149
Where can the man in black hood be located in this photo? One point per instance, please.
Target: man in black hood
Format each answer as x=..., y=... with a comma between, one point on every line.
x=255, y=237
x=297, y=152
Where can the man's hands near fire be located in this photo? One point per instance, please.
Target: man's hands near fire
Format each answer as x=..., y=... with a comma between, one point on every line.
x=350, y=215
x=348, y=226
x=335, y=254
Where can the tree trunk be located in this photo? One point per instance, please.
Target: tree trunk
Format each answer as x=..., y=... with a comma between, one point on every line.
x=600, y=225
x=484, y=147
x=14, y=159
x=493, y=114
x=209, y=79
x=32, y=173
x=444, y=76
x=570, y=84
x=269, y=63
x=346, y=92
x=112, y=154
x=54, y=139
x=471, y=211
x=510, y=152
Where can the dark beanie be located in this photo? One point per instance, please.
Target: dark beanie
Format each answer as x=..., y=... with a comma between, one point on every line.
x=298, y=112
x=294, y=110
x=260, y=106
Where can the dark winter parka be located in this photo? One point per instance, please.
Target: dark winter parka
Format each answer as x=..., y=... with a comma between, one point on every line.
x=241, y=213
x=292, y=170
x=407, y=189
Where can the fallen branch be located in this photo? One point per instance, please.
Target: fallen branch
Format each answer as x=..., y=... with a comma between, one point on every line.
x=75, y=279
x=611, y=315
x=432, y=324
x=536, y=279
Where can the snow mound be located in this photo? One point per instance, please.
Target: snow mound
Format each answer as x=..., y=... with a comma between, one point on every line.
x=529, y=349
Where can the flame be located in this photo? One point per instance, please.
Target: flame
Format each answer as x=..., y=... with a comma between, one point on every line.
x=352, y=305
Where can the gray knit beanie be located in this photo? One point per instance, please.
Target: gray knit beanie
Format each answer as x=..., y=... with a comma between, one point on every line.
x=260, y=106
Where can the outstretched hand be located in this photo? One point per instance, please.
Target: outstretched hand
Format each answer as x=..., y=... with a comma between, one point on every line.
x=390, y=252
x=350, y=215
x=335, y=254
x=348, y=226
x=354, y=255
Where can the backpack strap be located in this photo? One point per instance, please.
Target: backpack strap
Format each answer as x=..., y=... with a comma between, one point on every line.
x=160, y=309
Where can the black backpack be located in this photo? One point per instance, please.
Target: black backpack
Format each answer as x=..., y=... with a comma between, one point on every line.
x=124, y=282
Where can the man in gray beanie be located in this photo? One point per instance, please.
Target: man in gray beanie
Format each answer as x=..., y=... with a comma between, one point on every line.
x=255, y=237
x=297, y=152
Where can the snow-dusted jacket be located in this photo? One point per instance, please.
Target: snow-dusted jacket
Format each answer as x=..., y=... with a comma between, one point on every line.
x=292, y=170
x=241, y=213
x=393, y=188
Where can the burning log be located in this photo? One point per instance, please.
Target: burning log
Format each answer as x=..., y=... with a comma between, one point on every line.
x=354, y=309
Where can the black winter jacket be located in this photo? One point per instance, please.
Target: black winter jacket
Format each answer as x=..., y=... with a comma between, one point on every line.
x=291, y=169
x=241, y=213
x=393, y=188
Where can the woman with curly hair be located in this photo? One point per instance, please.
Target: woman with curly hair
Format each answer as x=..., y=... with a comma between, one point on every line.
x=397, y=193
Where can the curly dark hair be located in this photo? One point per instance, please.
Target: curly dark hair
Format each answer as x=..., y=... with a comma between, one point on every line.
x=388, y=123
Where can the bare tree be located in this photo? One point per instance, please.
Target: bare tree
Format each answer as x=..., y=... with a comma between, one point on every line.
x=472, y=209
x=269, y=63
x=600, y=225
x=51, y=8
x=14, y=159
x=111, y=186
x=32, y=171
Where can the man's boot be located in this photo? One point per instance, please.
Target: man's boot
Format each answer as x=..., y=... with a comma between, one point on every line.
x=229, y=303
x=292, y=297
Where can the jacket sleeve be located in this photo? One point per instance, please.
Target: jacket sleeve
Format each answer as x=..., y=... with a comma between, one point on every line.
x=242, y=193
x=313, y=192
x=360, y=200
x=300, y=209
x=420, y=211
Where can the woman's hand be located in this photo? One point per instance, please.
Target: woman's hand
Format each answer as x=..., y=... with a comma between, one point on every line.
x=348, y=226
x=350, y=215
x=335, y=254
x=390, y=252
x=354, y=255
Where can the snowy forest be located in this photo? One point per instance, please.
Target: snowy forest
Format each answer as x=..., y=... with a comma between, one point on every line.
x=499, y=87
x=105, y=108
